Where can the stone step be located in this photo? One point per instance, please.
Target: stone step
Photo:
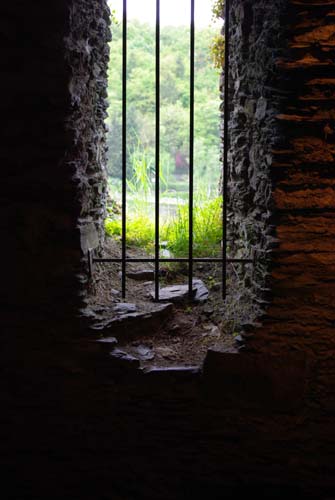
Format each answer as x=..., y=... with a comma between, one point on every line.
x=179, y=293
x=126, y=320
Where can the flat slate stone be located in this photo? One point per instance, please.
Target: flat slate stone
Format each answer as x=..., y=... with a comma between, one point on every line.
x=124, y=308
x=202, y=293
x=178, y=293
x=106, y=344
x=124, y=358
x=128, y=318
x=107, y=341
x=174, y=293
x=144, y=352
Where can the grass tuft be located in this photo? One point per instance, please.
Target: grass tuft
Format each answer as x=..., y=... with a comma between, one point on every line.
x=207, y=229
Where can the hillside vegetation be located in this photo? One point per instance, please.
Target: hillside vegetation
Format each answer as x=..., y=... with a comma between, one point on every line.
x=174, y=105
x=174, y=140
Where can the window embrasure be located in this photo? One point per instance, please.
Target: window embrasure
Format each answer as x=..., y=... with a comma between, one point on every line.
x=148, y=160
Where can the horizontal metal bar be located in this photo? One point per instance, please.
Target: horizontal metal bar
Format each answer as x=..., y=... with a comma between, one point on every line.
x=196, y=259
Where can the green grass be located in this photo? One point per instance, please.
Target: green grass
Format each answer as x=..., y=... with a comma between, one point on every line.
x=207, y=229
x=140, y=230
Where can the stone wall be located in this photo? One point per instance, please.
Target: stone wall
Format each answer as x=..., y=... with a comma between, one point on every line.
x=52, y=157
x=87, y=53
x=282, y=157
x=301, y=317
x=256, y=93
x=255, y=96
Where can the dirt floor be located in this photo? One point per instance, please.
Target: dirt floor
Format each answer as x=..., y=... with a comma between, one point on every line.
x=184, y=336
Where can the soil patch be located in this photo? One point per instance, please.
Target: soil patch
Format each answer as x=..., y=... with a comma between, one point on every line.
x=179, y=338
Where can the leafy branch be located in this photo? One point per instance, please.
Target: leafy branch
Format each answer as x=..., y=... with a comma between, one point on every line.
x=217, y=46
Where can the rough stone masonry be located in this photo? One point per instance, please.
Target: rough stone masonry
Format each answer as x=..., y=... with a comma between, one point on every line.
x=282, y=197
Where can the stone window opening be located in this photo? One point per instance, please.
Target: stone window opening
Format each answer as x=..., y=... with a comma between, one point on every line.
x=141, y=334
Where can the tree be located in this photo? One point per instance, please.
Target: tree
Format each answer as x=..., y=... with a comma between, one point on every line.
x=175, y=92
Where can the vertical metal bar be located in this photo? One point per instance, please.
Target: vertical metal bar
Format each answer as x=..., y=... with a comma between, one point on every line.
x=191, y=153
x=124, y=147
x=157, y=152
x=225, y=152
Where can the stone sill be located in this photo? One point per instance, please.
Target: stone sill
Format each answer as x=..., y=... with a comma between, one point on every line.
x=228, y=380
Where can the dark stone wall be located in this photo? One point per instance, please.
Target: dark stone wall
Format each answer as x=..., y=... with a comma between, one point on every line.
x=303, y=274
x=255, y=95
x=75, y=425
x=52, y=156
x=289, y=176
x=87, y=54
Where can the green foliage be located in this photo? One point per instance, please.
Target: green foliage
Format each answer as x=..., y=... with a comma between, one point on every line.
x=114, y=19
x=174, y=99
x=141, y=182
x=207, y=223
x=174, y=106
x=140, y=230
x=218, y=9
x=217, y=51
x=207, y=229
x=217, y=46
x=114, y=141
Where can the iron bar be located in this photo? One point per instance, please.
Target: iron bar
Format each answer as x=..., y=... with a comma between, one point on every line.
x=182, y=259
x=191, y=154
x=190, y=259
x=225, y=151
x=157, y=152
x=124, y=148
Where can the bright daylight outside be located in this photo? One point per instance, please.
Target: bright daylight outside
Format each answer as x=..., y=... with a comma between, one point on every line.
x=174, y=127
x=173, y=329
